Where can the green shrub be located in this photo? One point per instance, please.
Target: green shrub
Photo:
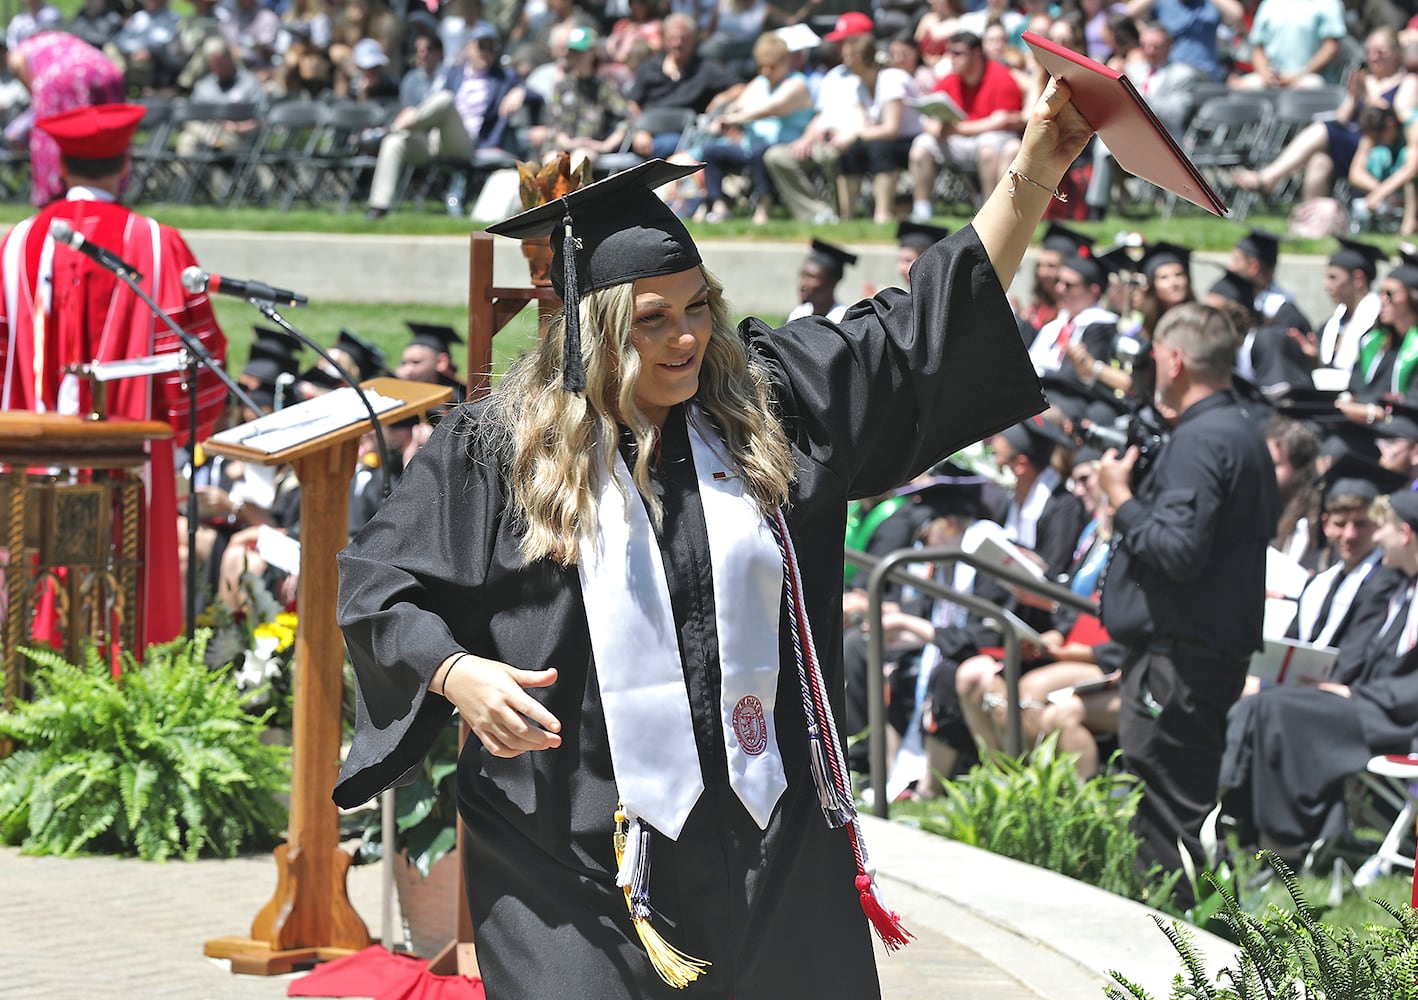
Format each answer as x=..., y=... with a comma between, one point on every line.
x=160, y=761
x=1040, y=812
x=1291, y=955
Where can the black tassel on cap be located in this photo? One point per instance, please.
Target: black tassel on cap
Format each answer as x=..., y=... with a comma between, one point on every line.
x=573, y=373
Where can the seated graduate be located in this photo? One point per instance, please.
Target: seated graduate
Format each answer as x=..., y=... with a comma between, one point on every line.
x=1383, y=369
x=598, y=567
x=1083, y=326
x=1290, y=749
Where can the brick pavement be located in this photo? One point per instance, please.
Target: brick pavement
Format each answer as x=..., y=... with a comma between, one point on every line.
x=97, y=928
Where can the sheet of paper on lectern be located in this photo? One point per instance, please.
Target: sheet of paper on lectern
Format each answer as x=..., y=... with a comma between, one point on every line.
x=306, y=421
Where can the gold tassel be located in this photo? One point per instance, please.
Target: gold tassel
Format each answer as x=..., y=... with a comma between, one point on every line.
x=673, y=966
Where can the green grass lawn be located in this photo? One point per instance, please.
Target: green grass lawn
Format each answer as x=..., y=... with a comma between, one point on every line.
x=1190, y=228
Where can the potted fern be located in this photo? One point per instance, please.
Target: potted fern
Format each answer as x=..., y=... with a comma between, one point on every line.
x=163, y=760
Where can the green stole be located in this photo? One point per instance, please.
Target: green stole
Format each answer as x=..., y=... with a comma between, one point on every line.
x=860, y=527
x=1371, y=352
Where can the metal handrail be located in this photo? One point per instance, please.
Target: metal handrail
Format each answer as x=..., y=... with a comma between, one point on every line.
x=892, y=566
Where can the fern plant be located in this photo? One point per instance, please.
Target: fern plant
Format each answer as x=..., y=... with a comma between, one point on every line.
x=1290, y=955
x=1037, y=810
x=161, y=761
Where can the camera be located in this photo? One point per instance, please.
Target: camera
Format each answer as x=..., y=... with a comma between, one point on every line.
x=1143, y=428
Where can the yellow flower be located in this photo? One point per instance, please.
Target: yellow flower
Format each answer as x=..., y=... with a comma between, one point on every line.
x=282, y=630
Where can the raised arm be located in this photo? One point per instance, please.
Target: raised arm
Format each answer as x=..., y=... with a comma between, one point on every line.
x=1053, y=139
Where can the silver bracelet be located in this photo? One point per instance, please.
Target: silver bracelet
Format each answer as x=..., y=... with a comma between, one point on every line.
x=1015, y=177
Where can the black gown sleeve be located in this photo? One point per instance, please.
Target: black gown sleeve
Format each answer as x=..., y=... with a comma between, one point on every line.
x=409, y=599
x=903, y=380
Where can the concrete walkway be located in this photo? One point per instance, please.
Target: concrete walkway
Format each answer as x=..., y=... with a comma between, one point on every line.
x=986, y=928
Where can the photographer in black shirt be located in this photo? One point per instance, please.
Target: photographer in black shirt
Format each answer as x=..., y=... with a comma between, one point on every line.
x=1186, y=587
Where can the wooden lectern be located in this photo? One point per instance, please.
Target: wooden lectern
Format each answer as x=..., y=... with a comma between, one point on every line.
x=310, y=917
x=90, y=529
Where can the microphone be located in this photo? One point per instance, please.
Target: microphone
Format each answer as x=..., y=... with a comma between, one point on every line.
x=194, y=279
x=61, y=232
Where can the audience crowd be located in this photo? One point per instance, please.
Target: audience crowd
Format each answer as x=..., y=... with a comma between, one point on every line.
x=801, y=109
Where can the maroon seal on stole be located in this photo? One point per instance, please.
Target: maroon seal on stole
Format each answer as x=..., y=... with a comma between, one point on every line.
x=749, y=725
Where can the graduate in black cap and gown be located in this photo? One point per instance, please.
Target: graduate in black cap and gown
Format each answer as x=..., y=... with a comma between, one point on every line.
x=914, y=239
x=1383, y=370
x=1084, y=327
x=1350, y=280
x=429, y=357
x=818, y=279
x=1059, y=242
x=1256, y=255
x=1290, y=749
x=590, y=565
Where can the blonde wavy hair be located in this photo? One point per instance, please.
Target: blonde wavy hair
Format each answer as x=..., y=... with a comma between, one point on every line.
x=552, y=438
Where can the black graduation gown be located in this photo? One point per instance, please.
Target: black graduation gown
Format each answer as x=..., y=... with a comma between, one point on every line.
x=1288, y=750
x=897, y=385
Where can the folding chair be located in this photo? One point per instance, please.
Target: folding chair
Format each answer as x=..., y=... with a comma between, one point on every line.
x=339, y=165
x=208, y=171
x=1225, y=135
x=145, y=151
x=276, y=165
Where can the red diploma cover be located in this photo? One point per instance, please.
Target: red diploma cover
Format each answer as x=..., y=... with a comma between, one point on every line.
x=1137, y=139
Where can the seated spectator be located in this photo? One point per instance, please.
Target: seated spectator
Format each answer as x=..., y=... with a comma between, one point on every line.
x=704, y=14
x=775, y=107
x=587, y=114
x=97, y=22
x=985, y=141
x=228, y=82
x=356, y=19
x=303, y=48
x=741, y=22
x=934, y=30
x=562, y=17
x=460, y=19
x=470, y=112
x=148, y=48
x=635, y=38
x=251, y=36
x=204, y=22
x=1000, y=12
x=679, y=79
x=1289, y=749
x=882, y=145
x=1383, y=170
x=373, y=82
x=903, y=53
x=1167, y=85
x=426, y=74
x=1194, y=27
x=34, y=17
x=994, y=42
x=1294, y=44
x=803, y=168
x=1123, y=40
x=1324, y=149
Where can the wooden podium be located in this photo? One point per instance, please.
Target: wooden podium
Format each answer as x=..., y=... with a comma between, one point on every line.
x=309, y=918
x=90, y=529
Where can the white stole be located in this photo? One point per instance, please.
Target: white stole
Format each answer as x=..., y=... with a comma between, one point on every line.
x=1312, y=599
x=1021, y=522
x=636, y=647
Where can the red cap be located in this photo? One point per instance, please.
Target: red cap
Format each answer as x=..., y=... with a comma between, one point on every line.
x=854, y=22
x=94, y=132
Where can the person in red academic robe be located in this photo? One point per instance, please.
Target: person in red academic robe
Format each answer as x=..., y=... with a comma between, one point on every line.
x=58, y=307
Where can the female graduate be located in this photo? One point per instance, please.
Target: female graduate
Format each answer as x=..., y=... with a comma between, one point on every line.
x=624, y=569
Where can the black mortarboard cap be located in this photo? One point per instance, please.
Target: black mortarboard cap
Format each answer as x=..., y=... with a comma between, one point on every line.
x=1037, y=438
x=1162, y=252
x=1064, y=240
x=322, y=379
x=1302, y=401
x=1235, y=288
x=1118, y=259
x=1406, y=272
x=1262, y=245
x=1087, y=453
x=1353, y=255
x=272, y=355
x=366, y=355
x=1093, y=270
x=439, y=336
x=1405, y=504
x=919, y=235
x=606, y=234
x=1400, y=421
x=948, y=490
x=834, y=258
x=1347, y=440
x=1352, y=475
